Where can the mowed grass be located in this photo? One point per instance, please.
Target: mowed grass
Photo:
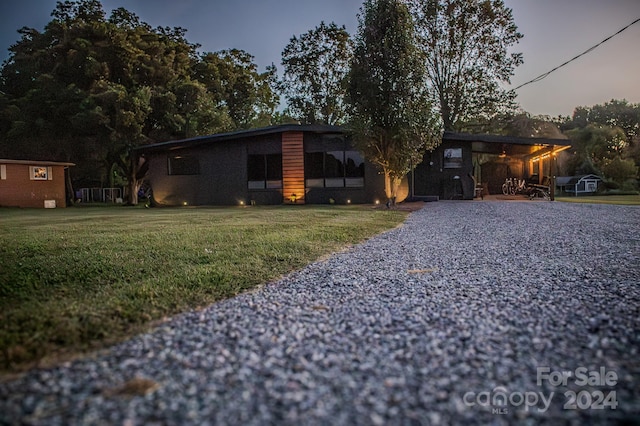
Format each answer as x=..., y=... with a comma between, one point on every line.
x=626, y=200
x=78, y=279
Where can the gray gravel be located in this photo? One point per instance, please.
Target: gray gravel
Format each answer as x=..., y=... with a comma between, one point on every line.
x=424, y=324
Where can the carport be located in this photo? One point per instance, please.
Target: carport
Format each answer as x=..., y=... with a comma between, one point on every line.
x=462, y=160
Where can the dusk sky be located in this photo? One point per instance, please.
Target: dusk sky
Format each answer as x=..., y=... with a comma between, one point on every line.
x=554, y=31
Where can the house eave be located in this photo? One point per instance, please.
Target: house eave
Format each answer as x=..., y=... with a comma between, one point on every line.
x=221, y=137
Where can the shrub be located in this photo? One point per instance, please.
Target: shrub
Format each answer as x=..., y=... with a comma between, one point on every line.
x=620, y=170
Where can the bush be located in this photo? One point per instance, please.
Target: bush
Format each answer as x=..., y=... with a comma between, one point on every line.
x=620, y=170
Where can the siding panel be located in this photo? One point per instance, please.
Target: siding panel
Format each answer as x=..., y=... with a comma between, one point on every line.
x=293, y=167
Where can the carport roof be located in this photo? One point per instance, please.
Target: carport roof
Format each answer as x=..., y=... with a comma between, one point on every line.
x=509, y=145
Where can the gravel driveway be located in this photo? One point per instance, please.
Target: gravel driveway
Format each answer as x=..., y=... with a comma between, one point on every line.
x=471, y=312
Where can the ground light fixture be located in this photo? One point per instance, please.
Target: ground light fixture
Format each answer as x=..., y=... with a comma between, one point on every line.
x=293, y=198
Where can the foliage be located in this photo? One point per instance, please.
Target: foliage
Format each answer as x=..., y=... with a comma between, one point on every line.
x=316, y=67
x=592, y=146
x=521, y=124
x=149, y=263
x=618, y=114
x=235, y=83
x=467, y=46
x=605, y=139
x=392, y=120
x=619, y=170
x=615, y=113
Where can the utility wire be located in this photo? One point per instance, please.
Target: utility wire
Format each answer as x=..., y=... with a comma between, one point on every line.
x=540, y=77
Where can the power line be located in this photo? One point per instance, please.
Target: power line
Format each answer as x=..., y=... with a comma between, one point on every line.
x=540, y=77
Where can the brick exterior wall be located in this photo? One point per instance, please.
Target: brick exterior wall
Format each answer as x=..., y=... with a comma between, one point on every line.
x=17, y=189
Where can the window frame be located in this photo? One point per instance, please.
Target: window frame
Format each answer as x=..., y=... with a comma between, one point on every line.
x=269, y=181
x=452, y=158
x=40, y=173
x=171, y=167
x=346, y=178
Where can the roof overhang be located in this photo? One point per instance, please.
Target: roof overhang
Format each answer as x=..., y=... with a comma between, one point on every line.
x=509, y=145
x=241, y=134
x=36, y=163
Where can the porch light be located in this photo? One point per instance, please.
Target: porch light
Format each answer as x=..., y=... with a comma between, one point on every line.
x=241, y=203
x=349, y=201
x=502, y=154
x=377, y=202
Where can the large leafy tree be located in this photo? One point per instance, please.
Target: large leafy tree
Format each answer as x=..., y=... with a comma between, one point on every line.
x=316, y=67
x=89, y=90
x=233, y=79
x=392, y=118
x=593, y=147
x=467, y=46
x=615, y=113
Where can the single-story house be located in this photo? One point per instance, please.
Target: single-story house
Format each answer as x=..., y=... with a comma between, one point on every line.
x=290, y=164
x=39, y=184
x=583, y=184
x=317, y=164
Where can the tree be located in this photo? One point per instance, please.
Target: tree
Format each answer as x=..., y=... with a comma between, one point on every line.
x=233, y=79
x=316, y=66
x=519, y=124
x=620, y=170
x=594, y=146
x=466, y=44
x=392, y=120
x=90, y=90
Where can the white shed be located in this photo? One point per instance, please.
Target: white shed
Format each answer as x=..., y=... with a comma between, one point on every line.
x=583, y=184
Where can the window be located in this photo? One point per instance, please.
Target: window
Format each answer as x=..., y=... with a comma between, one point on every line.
x=3, y=171
x=453, y=158
x=264, y=171
x=40, y=173
x=184, y=165
x=334, y=169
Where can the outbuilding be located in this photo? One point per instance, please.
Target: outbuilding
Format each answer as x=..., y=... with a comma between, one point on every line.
x=39, y=184
x=583, y=184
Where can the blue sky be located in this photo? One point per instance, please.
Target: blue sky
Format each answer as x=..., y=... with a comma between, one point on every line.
x=554, y=30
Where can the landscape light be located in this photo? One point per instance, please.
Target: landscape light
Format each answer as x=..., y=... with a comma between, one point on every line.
x=184, y=203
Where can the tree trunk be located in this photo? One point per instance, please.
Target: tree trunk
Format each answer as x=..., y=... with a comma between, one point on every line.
x=391, y=185
x=137, y=169
x=133, y=186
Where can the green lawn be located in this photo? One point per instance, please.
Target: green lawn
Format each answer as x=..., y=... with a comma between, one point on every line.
x=77, y=279
x=627, y=200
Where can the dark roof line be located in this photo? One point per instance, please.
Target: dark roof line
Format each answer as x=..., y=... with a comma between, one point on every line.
x=323, y=128
x=36, y=162
x=469, y=137
x=219, y=137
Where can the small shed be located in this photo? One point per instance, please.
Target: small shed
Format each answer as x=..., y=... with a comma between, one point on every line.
x=39, y=184
x=583, y=184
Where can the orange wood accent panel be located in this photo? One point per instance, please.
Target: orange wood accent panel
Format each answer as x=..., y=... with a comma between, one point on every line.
x=293, y=167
